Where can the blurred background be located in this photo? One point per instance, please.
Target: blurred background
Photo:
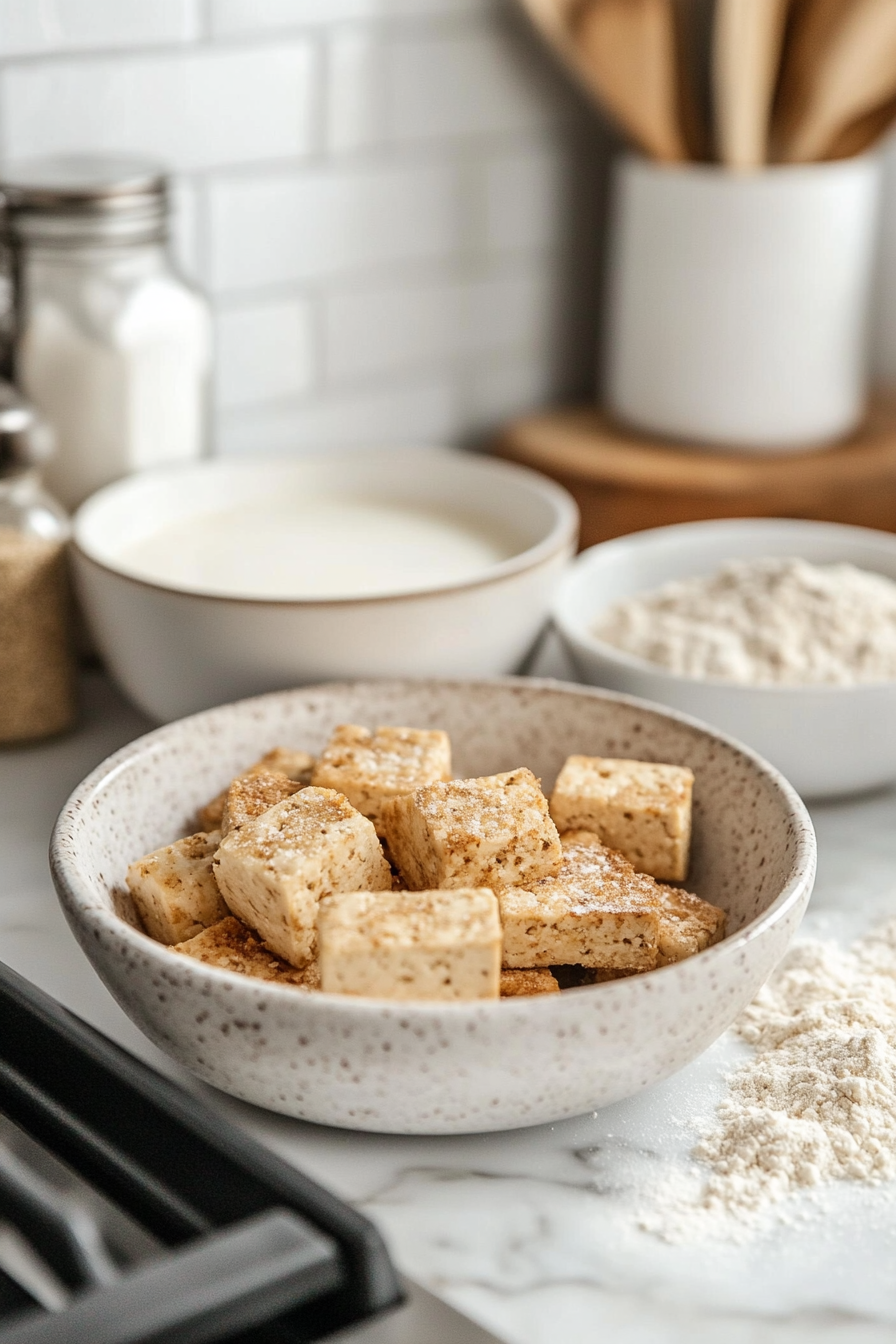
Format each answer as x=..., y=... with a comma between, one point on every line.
x=395, y=205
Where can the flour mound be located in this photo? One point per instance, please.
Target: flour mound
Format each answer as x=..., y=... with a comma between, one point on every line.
x=816, y=1102
x=764, y=622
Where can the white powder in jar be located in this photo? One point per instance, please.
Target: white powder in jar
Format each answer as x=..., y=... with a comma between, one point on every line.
x=123, y=393
x=761, y=622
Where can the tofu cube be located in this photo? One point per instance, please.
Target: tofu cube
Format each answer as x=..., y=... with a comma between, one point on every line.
x=230, y=946
x=473, y=832
x=637, y=807
x=411, y=944
x=370, y=768
x=274, y=869
x=596, y=912
x=296, y=765
x=687, y=925
x=253, y=793
x=525, y=983
x=174, y=889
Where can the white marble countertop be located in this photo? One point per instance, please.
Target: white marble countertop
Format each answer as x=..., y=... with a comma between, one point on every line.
x=535, y=1233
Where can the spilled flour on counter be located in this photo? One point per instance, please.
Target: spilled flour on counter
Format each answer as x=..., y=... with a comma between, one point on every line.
x=816, y=1102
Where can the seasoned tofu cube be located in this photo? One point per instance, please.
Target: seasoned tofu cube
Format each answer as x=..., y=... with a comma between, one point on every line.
x=473, y=832
x=230, y=946
x=274, y=869
x=637, y=807
x=525, y=983
x=596, y=912
x=174, y=888
x=296, y=765
x=687, y=925
x=251, y=794
x=411, y=944
x=370, y=768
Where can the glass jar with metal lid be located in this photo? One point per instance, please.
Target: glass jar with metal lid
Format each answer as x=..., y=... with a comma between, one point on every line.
x=37, y=668
x=110, y=343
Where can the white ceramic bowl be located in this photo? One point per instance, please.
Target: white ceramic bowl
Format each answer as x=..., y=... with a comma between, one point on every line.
x=176, y=650
x=827, y=740
x=431, y=1068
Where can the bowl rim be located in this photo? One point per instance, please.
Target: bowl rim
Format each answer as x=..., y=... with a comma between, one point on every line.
x=562, y=536
x=576, y=634
x=80, y=903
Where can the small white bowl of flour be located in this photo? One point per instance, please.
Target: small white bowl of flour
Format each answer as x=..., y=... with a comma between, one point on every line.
x=780, y=632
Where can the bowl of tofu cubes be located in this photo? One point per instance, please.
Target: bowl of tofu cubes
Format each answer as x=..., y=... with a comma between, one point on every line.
x=434, y=907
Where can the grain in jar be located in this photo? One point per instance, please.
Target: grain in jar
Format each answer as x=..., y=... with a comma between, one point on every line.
x=37, y=672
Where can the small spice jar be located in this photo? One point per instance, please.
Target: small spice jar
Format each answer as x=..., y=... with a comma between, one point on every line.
x=37, y=666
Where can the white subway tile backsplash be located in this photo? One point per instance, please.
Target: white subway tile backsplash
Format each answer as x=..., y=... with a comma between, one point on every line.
x=264, y=352
x=370, y=331
x=525, y=198
x=231, y=18
x=33, y=27
x=513, y=310
x=243, y=17
x=421, y=413
x=356, y=88
x=399, y=326
x=191, y=109
x=380, y=193
x=186, y=239
x=506, y=386
x=472, y=83
x=374, y=192
x=325, y=222
x=399, y=86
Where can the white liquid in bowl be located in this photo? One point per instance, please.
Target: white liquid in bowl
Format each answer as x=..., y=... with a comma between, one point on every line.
x=317, y=548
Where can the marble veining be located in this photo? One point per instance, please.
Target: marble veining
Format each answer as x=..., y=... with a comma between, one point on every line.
x=535, y=1232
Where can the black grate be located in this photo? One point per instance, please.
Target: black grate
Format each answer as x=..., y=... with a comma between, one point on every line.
x=248, y=1247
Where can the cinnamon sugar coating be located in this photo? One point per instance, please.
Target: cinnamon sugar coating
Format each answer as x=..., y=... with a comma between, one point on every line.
x=371, y=768
x=517, y=984
x=411, y=944
x=253, y=793
x=174, y=888
x=296, y=765
x=473, y=832
x=641, y=808
x=688, y=925
x=231, y=946
x=274, y=869
x=596, y=912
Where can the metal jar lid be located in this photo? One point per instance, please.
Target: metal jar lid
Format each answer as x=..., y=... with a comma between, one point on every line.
x=79, y=199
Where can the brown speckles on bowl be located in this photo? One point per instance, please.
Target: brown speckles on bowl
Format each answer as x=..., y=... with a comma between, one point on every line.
x=436, y=1068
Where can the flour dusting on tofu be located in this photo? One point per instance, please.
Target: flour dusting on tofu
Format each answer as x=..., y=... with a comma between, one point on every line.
x=368, y=870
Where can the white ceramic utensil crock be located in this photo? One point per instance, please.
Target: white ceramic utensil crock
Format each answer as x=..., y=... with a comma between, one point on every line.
x=738, y=302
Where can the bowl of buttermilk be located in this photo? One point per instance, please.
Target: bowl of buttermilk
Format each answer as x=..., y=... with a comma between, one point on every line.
x=781, y=632
x=207, y=582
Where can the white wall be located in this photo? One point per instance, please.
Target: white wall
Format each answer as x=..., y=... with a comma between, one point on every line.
x=395, y=204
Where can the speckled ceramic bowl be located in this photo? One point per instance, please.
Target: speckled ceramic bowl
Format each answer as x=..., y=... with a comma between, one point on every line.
x=426, y=1068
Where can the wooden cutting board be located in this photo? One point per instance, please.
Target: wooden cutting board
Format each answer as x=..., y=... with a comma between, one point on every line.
x=624, y=483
